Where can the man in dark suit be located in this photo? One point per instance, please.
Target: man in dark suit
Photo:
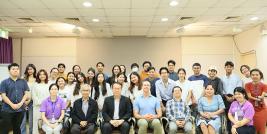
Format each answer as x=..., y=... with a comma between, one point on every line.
x=84, y=113
x=117, y=110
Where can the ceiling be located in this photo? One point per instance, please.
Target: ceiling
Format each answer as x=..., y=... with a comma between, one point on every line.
x=130, y=17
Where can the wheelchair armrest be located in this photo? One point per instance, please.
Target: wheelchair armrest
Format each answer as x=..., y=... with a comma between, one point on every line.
x=40, y=123
x=132, y=121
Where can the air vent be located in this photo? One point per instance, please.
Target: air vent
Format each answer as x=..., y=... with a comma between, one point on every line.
x=2, y=19
x=26, y=20
x=232, y=18
x=186, y=18
x=72, y=19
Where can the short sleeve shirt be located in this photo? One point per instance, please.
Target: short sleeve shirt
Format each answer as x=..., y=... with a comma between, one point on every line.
x=14, y=90
x=146, y=105
x=52, y=108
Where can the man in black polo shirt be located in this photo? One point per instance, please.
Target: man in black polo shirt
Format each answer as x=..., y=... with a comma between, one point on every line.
x=14, y=92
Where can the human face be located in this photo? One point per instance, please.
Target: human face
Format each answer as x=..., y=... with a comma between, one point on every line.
x=71, y=77
x=14, y=71
x=100, y=68
x=30, y=70
x=196, y=70
x=146, y=66
x=171, y=67
x=116, y=70
x=121, y=79
x=212, y=73
x=61, y=83
x=54, y=73
x=116, y=88
x=164, y=74
x=228, y=69
x=100, y=78
x=134, y=79
x=42, y=76
x=181, y=75
x=255, y=76
x=80, y=78
x=61, y=69
x=239, y=96
x=146, y=87
x=245, y=71
x=209, y=91
x=151, y=73
x=91, y=74
x=177, y=93
x=122, y=69
x=53, y=91
x=76, y=70
x=85, y=90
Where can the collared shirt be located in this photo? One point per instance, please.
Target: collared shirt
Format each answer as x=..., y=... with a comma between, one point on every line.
x=14, y=90
x=146, y=105
x=153, y=85
x=52, y=108
x=230, y=83
x=85, y=106
x=164, y=92
x=177, y=109
x=173, y=76
x=116, y=109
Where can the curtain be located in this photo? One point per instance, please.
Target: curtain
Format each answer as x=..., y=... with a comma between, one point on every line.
x=6, y=50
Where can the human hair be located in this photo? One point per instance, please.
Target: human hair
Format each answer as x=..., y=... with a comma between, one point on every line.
x=134, y=65
x=163, y=68
x=91, y=82
x=181, y=69
x=74, y=67
x=151, y=68
x=54, y=68
x=196, y=64
x=257, y=70
x=97, y=84
x=53, y=84
x=242, y=91
x=124, y=69
x=176, y=87
x=133, y=84
x=100, y=63
x=147, y=62
x=69, y=73
x=113, y=74
x=229, y=63
x=59, y=79
x=78, y=83
x=61, y=64
x=38, y=75
x=246, y=66
x=116, y=83
x=26, y=74
x=12, y=65
x=171, y=61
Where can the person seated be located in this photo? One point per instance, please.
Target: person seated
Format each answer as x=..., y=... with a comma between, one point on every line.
x=178, y=113
x=116, y=112
x=241, y=113
x=52, y=111
x=84, y=113
x=147, y=111
x=210, y=108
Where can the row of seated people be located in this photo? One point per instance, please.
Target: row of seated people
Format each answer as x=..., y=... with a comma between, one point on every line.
x=118, y=110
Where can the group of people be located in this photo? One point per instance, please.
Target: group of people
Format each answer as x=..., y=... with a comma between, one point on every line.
x=144, y=95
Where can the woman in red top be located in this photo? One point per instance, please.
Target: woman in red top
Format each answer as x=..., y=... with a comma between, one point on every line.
x=256, y=91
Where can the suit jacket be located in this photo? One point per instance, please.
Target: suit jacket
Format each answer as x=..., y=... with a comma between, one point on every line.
x=125, y=108
x=77, y=114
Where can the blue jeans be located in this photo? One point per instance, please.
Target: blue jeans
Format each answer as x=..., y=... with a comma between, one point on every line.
x=24, y=121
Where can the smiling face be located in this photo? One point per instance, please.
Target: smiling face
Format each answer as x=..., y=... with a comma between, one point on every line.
x=239, y=96
x=177, y=92
x=61, y=69
x=71, y=77
x=61, y=83
x=181, y=75
x=196, y=70
x=245, y=71
x=121, y=78
x=53, y=91
x=164, y=74
x=91, y=74
x=122, y=68
x=100, y=68
x=116, y=70
x=116, y=88
x=171, y=67
x=229, y=69
x=209, y=91
x=151, y=73
x=30, y=70
x=146, y=66
x=146, y=86
x=85, y=90
x=14, y=71
x=100, y=78
x=255, y=76
x=80, y=78
x=42, y=76
x=76, y=70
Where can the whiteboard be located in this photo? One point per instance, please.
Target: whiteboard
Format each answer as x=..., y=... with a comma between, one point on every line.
x=4, y=74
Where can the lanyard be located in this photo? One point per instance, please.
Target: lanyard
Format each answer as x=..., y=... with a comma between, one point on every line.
x=53, y=107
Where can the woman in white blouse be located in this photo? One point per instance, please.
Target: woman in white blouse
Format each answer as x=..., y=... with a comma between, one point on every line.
x=125, y=85
x=101, y=90
x=135, y=88
x=185, y=86
x=76, y=94
x=39, y=93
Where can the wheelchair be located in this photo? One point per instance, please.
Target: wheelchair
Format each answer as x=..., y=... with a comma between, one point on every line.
x=223, y=128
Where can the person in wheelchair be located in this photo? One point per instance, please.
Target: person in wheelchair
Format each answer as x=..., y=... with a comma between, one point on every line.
x=52, y=111
x=241, y=113
x=147, y=111
x=178, y=113
x=84, y=113
x=117, y=110
x=210, y=107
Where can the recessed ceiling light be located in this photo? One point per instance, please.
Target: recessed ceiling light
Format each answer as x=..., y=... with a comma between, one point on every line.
x=95, y=20
x=173, y=3
x=164, y=19
x=30, y=30
x=254, y=18
x=87, y=4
